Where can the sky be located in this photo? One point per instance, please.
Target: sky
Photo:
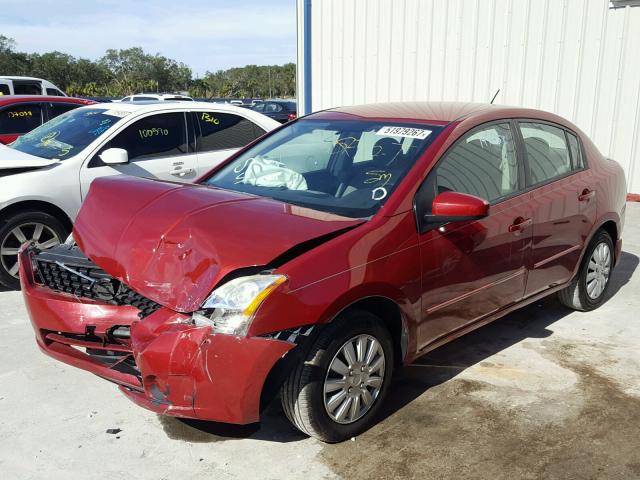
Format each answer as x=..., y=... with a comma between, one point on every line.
x=206, y=35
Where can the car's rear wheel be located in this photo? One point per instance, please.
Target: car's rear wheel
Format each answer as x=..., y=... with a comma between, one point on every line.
x=43, y=229
x=588, y=290
x=337, y=388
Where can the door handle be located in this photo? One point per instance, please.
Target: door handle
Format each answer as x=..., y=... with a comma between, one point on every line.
x=181, y=172
x=586, y=195
x=519, y=224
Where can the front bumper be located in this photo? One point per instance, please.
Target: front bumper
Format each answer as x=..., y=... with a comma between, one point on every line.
x=167, y=365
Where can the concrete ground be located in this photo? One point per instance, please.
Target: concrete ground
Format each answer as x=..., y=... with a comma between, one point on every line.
x=543, y=393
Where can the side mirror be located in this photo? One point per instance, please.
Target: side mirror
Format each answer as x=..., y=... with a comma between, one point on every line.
x=456, y=207
x=114, y=156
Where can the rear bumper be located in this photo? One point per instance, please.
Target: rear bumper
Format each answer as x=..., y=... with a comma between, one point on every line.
x=167, y=365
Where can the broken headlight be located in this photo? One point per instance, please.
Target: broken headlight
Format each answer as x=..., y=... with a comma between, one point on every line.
x=231, y=307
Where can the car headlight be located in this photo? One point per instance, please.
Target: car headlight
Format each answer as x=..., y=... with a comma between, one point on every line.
x=231, y=307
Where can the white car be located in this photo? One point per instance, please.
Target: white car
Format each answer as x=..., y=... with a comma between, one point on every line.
x=145, y=97
x=28, y=86
x=45, y=174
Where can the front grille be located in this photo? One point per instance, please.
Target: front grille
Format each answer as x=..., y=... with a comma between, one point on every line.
x=83, y=278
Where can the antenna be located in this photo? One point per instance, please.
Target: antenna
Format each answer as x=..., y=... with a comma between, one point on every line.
x=494, y=97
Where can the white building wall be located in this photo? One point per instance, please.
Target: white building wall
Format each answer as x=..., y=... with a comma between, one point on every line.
x=577, y=58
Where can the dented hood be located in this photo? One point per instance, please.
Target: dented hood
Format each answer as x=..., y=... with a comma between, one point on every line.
x=173, y=243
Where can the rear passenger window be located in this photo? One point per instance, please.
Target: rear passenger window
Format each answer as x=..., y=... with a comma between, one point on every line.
x=20, y=118
x=4, y=89
x=576, y=153
x=221, y=131
x=483, y=164
x=547, y=152
x=162, y=135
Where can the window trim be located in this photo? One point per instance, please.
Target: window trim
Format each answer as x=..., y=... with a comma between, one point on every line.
x=26, y=105
x=529, y=187
x=483, y=126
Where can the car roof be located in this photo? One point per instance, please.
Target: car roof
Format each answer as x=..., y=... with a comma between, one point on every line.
x=165, y=105
x=153, y=105
x=440, y=112
x=17, y=77
x=8, y=99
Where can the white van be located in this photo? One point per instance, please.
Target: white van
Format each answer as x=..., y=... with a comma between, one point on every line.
x=28, y=86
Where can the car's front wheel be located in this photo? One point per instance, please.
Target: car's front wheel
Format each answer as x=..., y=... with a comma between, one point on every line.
x=337, y=388
x=41, y=228
x=589, y=288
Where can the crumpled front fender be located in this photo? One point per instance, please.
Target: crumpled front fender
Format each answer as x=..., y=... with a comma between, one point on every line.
x=188, y=371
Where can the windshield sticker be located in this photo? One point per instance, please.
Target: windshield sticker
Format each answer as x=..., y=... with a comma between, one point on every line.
x=210, y=119
x=116, y=113
x=24, y=113
x=406, y=132
x=378, y=193
x=153, y=132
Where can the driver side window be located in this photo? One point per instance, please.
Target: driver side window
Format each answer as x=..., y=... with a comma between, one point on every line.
x=483, y=163
x=162, y=135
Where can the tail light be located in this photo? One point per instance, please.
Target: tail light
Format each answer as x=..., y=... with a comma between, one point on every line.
x=291, y=116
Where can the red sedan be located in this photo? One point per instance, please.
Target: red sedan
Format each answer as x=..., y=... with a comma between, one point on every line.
x=325, y=255
x=20, y=114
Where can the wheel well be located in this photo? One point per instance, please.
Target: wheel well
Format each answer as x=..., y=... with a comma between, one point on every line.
x=611, y=228
x=37, y=205
x=384, y=308
x=389, y=312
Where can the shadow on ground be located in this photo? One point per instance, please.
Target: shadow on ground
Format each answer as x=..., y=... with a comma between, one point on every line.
x=435, y=368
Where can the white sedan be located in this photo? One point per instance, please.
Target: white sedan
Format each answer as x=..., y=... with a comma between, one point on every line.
x=45, y=174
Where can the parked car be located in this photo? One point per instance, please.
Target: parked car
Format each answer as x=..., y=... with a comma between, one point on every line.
x=146, y=97
x=282, y=111
x=20, y=114
x=28, y=86
x=46, y=173
x=320, y=258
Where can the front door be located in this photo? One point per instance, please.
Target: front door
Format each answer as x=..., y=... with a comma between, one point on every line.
x=473, y=269
x=158, y=147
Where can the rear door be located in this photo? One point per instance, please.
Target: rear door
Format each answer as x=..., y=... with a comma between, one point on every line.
x=158, y=147
x=473, y=269
x=219, y=135
x=18, y=119
x=563, y=201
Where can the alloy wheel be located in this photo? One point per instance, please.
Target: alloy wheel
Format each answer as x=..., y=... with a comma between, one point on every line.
x=40, y=234
x=598, y=270
x=354, y=379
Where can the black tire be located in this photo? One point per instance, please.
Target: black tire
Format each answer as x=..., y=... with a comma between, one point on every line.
x=302, y=394
x=576, y=295
x=9, y=242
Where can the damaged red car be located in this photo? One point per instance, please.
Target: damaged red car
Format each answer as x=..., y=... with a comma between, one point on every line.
x=317, y=260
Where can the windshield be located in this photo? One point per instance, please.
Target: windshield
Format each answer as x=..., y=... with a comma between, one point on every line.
x=68, y=134
x=344, y=167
